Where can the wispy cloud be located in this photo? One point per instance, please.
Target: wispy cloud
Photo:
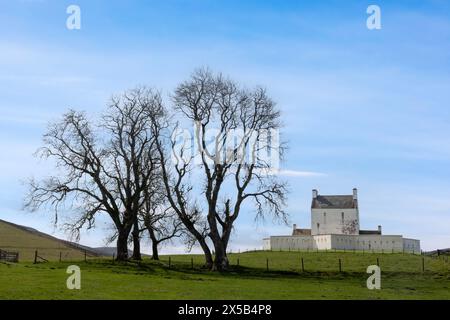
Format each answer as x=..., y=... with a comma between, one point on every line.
x=297, y=173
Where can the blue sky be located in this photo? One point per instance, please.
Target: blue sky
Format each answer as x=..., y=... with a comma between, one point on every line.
x=362, y=108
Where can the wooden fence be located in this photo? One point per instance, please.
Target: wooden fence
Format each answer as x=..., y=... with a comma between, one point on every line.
x=9, y=256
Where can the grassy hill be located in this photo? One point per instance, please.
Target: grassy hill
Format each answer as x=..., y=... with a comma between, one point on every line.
x=402, y=278
x=26, y=240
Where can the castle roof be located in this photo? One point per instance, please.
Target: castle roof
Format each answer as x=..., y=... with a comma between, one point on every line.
x=334, y=202
x=301, y=232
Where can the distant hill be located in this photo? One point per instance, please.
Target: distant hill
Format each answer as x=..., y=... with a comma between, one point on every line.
x=26, y=240
x=438, y=252
x=110, y=251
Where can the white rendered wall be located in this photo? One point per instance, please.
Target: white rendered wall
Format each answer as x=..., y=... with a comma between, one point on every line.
x=291, y=242
x=368, y=243
x=266, y=244
x=411, y=245
x=376, y=243
x=323, y=242
x=334, y=221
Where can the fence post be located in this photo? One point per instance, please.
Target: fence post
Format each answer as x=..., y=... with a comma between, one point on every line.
x=192, y=263
x=85, y=256
x=303, y=266
x=238, y=262
x=170, y=262
x=35, y=256
x=340, y=265
x=267, y=264
x=423, y=264
x=378, y=261
x=60, y=256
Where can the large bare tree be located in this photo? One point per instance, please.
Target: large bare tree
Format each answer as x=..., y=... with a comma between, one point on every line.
x=104, y=166
x=234, y=163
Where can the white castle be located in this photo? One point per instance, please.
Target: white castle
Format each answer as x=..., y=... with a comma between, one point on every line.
x=335, y=225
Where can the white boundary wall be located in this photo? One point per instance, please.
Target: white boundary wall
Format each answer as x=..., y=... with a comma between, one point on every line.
x=387, y=243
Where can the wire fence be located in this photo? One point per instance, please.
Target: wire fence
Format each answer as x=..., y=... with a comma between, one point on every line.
x=311, y=262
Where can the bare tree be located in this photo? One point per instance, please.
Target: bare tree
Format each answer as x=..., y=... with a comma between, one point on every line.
x=158, y=218
x=162, y=227
x=233, y=167
x=105, y=170
x=177, y=187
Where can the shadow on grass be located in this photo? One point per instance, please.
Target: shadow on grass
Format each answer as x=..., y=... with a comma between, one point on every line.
x=185, y=271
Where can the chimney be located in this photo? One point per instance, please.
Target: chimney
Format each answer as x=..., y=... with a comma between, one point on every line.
x=314, y=193
x=295, y=227
x=355, y=194
x=379, y=229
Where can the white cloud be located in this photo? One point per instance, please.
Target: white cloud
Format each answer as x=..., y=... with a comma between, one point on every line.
x=297, y=173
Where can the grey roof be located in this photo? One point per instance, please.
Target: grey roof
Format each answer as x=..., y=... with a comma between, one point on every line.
x=301, y=232
x=369, y=232
x=334, y=202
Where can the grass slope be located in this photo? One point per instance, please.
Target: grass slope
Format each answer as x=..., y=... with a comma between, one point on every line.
x=402, y=278
x=26, y=241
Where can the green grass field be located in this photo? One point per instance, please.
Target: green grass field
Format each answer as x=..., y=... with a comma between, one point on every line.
x=402, y=278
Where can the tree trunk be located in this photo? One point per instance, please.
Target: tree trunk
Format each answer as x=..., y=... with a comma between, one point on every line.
x=136, y=242
x=201, y=240
x=155, y=242
x=221, y=262
x=208, y=256
x=220, y=255
x=122, y=245
x=155, y=255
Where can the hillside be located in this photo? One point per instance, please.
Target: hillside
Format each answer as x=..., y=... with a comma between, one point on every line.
x=26, y=240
